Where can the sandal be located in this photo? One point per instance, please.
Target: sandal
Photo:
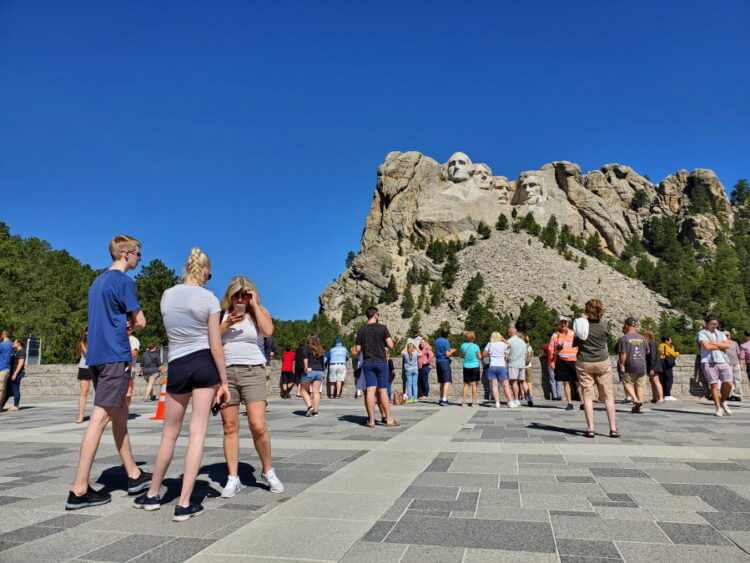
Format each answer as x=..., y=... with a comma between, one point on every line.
x=394, y=423
x=589, y=434
x=369, y=424
x=614, y=434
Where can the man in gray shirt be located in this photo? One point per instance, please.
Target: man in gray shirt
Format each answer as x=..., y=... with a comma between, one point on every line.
x=631, y=349
x=733, y=355
x=715, y=365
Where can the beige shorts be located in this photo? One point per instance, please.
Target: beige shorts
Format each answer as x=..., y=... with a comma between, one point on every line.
x=336, y=373
x=3, y=376
x=595, y=373
x=637, y=379
x=247, y=384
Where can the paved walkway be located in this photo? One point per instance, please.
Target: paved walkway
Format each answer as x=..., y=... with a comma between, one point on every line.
x=451, y=484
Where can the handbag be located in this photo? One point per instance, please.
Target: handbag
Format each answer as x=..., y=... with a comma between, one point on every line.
x=670, y=361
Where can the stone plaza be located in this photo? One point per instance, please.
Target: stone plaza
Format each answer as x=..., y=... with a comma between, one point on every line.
x=450, y=484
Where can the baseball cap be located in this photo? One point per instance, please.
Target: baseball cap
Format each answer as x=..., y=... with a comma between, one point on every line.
x=630, y=321
x=563, y=318
x=338, y=341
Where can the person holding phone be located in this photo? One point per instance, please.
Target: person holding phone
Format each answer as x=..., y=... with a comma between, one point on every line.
x=196, y=371
x=244, y=326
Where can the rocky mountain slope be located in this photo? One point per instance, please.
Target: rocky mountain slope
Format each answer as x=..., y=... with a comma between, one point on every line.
x=418, y=201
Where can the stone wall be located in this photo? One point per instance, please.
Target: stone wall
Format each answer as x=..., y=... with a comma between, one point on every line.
x=59, y=380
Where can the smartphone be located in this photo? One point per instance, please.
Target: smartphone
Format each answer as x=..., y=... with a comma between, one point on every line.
x=215, y=409
x=239, y=308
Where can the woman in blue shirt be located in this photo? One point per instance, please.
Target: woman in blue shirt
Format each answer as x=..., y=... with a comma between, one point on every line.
x=472, y=373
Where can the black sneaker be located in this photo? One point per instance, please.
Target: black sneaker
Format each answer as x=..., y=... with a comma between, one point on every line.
x=89, y=498
x=529, y=402
x=182, y=513
x=140, y=483
x=309, y=411
x=147, y=503
x=315, y=413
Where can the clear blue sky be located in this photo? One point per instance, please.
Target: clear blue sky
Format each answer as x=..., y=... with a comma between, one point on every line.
x=254, y=129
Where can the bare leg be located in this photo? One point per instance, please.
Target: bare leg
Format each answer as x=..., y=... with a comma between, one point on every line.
x=464, y=392
x=84, y=386
x=588, y=411
x=90, y=444
x=568, y=391
x=611, y=414
x=256, y=417
x=385, y=405
x=230, y=418
x=493, y=386
x=203, y=399
x=370, y=403
x=656, y=389
x=726, y=390
x=316, y=395
x=474, y=392
x=514, y=387
x=339, y=387
x=150, y=387
x=507, y=390
x=174, y=412
x=630, y=391
x=304, y=390
x=444, y=388
x=129, y=394
x=641, y=392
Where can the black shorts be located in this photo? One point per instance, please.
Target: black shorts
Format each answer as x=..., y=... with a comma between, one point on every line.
x=288, y=377
x=472, y=375
x=566, y=371
x=444, y=374
x=111, y=382
x=84, y=374
x=194, y=371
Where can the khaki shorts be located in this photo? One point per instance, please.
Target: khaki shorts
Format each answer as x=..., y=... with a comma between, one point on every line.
x=637, y=379
x=247, y=384
x=593, y=373
x=3, y=376
x=336, y=372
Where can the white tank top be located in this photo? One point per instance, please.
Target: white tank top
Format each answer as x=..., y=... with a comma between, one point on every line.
x=243, y=344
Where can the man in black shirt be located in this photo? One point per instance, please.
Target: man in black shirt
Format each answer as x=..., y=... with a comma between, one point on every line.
x=372, y=341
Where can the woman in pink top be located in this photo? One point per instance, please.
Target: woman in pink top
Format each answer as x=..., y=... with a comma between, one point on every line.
x=425, y=359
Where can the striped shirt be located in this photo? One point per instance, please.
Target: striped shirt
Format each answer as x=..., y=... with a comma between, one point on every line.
x=568, y=351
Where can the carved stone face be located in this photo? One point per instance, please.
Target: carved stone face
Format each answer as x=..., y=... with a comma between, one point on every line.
x=459, y=167
x=482, y=176
x=502, y=189
x=532, y=190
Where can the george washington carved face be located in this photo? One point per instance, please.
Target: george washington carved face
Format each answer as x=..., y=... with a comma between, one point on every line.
x=459, y=168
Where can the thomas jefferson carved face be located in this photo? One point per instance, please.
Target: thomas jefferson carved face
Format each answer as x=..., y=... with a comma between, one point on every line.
x=482, y=176
x=459, y=168
x=532, y=190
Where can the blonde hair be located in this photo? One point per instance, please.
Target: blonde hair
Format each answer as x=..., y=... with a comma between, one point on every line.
x=120, y=244
x=195, y=267
x=495, y=337
x=525, y=338
x=237, y=284
x=410, y=348
x=471, y=336
x=648, y=335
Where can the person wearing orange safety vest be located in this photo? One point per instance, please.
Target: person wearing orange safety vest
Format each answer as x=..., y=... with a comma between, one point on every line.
x=562, y=358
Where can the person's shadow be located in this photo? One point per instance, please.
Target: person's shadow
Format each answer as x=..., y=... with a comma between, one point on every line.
x=217, y=472
x=551, y=428
x=353, y=418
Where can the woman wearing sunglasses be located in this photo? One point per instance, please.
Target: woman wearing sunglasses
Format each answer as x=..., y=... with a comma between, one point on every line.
x=244, y=325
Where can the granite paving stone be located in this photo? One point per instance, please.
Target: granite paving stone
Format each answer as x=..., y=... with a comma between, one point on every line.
x=729, y=521
x=697, y=534
x=591, y=548
x=127, y=548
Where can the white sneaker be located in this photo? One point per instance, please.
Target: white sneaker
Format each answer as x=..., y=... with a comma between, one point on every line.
x=274, y=483
x=719, y=412
x=232, y=488
x=513, y=404
x=497, y=405
x=726, y=408
x=669, y=398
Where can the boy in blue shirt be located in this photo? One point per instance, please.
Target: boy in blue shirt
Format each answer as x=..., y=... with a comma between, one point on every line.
x=113, y=308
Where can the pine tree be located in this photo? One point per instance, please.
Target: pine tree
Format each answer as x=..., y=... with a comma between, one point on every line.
x=741, y=192
x=390, y=293
x=593, y=246
x=549, y=233
x=349, y=312
x=502, y=223
x=582, y=264
x=450, y=270
x=407, y=302
x=350, y=259
x=483, y=230
x=471, y=292
x=437, y=293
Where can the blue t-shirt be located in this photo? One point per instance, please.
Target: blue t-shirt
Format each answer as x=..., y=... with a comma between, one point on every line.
x=470, y=352
x=338, y=355
x=6, y=353
x=111, y=297
x=517, y=353
x=441, y=347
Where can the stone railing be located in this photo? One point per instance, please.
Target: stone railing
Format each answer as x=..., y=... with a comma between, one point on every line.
x=57, y=380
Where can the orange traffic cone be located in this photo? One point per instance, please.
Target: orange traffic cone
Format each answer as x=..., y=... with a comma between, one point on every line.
x=162, y=401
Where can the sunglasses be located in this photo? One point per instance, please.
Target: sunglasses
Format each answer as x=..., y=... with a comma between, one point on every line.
x=138, y=254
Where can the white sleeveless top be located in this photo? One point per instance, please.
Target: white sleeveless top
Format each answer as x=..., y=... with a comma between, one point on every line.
x=243, y=344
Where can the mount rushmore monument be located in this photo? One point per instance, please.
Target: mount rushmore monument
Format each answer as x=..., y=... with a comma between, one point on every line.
x=419, y=198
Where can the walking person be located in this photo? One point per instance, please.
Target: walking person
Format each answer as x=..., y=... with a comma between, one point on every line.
x=713, y=345
x=410, y=358
x=733, y=355
x=112, y=302
x=373, y=340
x=135, y=346
x=299, y=366
x=287, y=380
x=17, y=372
x=654, y=367
x=425, y=362
x=196, y=371
x=668, y=357
x=562, y=359
x=632, y=359
x=496, y=351
x=151, y=368
x=337, y=358
x=517, y=367
x=312, y=374
x=744, y=354
x=443, y=353
x=593, y=365
x=470, y=353
x=6, y=361
x=245, y=326
x=84, y=374
x=555, y=387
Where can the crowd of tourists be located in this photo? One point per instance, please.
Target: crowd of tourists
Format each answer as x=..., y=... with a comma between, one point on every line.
x=219, y=353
